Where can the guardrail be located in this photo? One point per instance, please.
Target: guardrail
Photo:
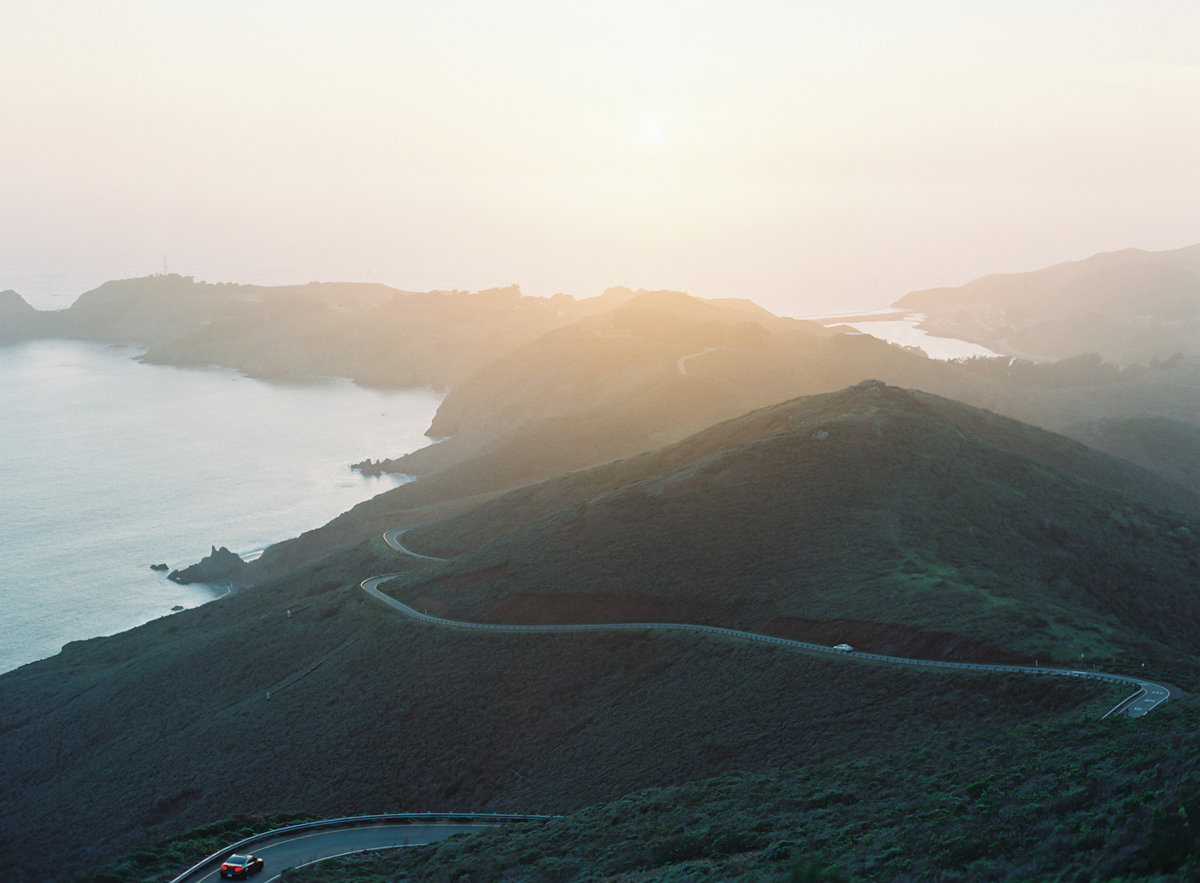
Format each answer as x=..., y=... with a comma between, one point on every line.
x=352, y=821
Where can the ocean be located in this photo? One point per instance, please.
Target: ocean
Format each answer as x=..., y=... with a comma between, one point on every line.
x=108, y=466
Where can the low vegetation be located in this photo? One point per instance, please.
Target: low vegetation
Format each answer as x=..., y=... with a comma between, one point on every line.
x=894, y=520
x=163, y=860
x=1089, y=800
x=368, y=712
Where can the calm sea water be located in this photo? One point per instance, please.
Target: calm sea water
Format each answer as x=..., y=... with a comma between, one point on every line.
x=108, y=466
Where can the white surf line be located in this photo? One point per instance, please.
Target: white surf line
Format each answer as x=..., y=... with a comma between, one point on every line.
x=1148, y=695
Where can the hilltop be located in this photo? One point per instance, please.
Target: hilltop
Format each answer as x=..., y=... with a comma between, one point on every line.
x=902, y=522
x=644, y=375
x=18, y=320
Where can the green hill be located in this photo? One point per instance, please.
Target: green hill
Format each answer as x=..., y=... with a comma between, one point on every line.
x=1085, y=801
x=900, y=521
x=121, y=741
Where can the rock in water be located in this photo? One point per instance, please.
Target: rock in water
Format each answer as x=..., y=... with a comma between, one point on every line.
x=158, y=567
x=220, y=566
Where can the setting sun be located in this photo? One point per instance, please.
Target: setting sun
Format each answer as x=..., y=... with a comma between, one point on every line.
x=652, y=130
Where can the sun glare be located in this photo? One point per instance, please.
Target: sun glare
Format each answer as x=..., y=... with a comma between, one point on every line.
x=652, y=132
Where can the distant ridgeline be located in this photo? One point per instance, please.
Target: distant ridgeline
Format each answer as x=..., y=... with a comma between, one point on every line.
x=372, y=333
x=1130, y=306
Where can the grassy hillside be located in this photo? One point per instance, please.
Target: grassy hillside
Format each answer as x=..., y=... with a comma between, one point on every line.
x=619, y=413
x=125, y=740
x=1084, y=801
x=900, y=517
x=892, y=519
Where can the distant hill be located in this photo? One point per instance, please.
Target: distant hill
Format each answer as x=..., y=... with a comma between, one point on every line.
x=19, y=321
x=658, y=368
x=371, y=333
x=1131, y=306
x=1169, y=447
x=652, y=371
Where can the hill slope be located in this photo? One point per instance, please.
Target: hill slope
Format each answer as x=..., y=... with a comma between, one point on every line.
x=303, y=695
x=901, y=521
x=1169, y=447
x=907, y=524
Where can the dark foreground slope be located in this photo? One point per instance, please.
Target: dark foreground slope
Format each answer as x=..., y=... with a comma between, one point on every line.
x=898, y=521
x=1086, y=801
x=343, y=707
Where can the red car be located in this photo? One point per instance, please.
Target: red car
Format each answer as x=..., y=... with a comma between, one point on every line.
x=241, y=866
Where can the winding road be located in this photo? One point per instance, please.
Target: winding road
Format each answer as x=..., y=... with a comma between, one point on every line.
x=310, y=843
x=1147, y=695
x=306, y=844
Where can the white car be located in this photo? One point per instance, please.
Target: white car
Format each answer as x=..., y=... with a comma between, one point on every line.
x=843, y=648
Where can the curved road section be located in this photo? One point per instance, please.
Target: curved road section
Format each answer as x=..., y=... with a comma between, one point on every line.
x=1148, y=695
x=301, y=845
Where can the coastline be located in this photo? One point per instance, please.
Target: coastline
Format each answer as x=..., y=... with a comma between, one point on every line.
x=173, y=460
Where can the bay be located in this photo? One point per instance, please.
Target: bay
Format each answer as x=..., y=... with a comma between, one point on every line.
x=905, y=332
x=108, y=466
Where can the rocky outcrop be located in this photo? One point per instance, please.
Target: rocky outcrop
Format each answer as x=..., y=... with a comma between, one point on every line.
x=377, y=467
x=219, y=566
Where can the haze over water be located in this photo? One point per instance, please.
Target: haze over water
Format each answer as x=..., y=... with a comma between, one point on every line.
x=108, y=466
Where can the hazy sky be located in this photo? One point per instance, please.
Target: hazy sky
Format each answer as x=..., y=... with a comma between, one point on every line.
x=808, y=155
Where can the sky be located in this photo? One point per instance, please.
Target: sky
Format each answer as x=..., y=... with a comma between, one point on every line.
x=814, y=157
